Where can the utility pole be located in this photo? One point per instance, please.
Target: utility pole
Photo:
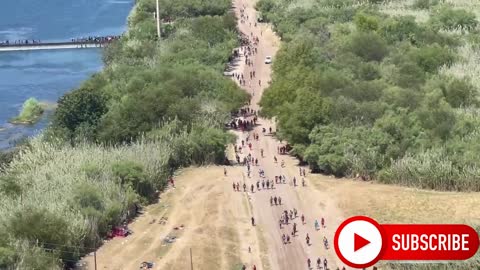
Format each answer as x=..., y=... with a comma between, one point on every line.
x=158, y=20
x=95, y=251
x=191, y=260
x=95, y=258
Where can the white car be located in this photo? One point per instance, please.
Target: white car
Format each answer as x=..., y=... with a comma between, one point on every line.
x=268, y=60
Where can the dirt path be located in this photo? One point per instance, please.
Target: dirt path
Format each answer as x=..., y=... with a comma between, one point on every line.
x=311, y=203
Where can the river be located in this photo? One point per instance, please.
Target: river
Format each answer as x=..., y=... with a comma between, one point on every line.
x=47, y=75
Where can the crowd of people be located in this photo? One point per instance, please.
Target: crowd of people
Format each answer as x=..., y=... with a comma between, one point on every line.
x=83, y=40
x=19, y=42
x=95, y=39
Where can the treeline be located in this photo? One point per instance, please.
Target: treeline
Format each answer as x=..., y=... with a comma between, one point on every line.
x=359, y=93
x=114, y=141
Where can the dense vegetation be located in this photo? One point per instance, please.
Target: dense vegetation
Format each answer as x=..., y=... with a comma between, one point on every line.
x=359, y=92
x=115, y=140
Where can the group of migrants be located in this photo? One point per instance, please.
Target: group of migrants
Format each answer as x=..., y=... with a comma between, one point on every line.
x=95, y=39
x=19, y=42
x=92, y=39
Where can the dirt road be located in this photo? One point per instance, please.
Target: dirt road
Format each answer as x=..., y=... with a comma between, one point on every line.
x=295, y=254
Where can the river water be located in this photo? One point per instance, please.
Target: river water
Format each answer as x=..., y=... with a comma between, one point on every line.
x=47, y=75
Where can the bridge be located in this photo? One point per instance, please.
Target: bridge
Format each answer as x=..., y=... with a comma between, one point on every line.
x=73, y=44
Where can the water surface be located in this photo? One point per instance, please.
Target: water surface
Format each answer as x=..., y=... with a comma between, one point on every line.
x=47, y=75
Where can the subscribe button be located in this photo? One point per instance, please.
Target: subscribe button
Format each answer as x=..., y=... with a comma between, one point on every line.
x=361, y=242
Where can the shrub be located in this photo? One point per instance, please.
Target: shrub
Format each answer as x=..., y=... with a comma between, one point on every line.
x=83, y=107
x=454, y=19
x=32, y=110
x=431, y=58
x=424, y=4
x=368, y=45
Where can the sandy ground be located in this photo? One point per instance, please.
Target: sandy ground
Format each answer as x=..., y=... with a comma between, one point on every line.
x=217, y=220
x=216, y=227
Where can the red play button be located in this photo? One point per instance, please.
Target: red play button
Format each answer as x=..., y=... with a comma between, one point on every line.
x=352, y=246
x=359, y=242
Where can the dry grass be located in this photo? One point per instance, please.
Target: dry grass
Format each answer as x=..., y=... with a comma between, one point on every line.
x=394, y=204
x=467, y=66
x=404, y=8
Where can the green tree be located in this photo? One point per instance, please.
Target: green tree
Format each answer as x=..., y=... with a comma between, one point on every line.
x=368, y=45
x=82, y=106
